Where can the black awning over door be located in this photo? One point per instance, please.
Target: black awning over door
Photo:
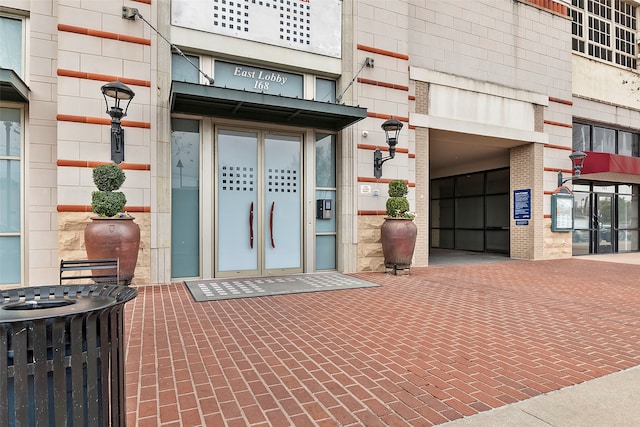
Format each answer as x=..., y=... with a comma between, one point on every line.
x=191, y=98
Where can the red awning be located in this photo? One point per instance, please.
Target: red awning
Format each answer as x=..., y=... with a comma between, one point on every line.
x=611, y=167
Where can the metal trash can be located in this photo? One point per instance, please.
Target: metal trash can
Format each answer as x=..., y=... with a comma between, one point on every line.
x=62, y=355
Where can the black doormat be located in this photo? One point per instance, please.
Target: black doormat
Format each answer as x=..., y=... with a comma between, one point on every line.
x=221, y=289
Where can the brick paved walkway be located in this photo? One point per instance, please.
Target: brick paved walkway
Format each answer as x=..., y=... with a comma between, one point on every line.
x=443, y=343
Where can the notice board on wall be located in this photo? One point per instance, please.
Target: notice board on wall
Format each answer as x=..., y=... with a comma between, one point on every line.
x=562, y=212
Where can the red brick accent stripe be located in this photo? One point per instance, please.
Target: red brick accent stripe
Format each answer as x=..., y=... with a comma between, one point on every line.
x=549, y=5
x=93, y=164
x=387, y=116
x=369, y=179
x=365, y=212
x=87, y=208
x=412, y=97
x=383, y=52
x=560, y=101
x=383, y=180
x=382, y=84
x=558, y=147
x=552, y=123
x=143, y=1
x=102, y=77
x=381, y=148
x=103, y=34
x=100, y=121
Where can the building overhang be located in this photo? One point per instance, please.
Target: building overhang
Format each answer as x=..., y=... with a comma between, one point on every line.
x=191, y=98
x=611, y=168
x=12, y=88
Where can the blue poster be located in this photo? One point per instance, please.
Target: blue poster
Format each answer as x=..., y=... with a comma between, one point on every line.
x=522, y=204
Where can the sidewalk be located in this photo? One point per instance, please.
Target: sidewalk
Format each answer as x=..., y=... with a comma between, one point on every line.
x=472, y=343
x=608, y=401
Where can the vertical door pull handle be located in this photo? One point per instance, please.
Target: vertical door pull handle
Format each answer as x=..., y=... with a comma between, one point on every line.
x=251, y=226
x=273, y=206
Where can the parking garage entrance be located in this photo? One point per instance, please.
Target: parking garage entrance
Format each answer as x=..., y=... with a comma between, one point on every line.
x=470, y=212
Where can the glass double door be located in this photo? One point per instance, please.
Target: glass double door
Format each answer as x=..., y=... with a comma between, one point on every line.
x=593, y=224
x=258, y=203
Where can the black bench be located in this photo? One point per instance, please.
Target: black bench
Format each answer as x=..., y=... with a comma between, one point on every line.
x=98, y=270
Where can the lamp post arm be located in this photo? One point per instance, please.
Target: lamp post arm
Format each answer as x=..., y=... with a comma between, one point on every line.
x=560, y=181
x=378, y=160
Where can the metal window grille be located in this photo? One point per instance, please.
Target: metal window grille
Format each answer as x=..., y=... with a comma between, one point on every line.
x=605, y=29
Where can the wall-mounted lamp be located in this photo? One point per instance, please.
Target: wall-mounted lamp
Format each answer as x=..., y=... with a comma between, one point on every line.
x=391, y=130
x=117, y=91
x=577, y=161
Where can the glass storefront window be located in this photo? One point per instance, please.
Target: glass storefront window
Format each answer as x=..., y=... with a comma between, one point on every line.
x=627, y=222
x=11, y=52
x=604, y=188
x=625, y=189
x=581, y=208
x=606, y=219
x=10, y=196
x=326, y=252
x=182, y=70
x=9, y=260
x=185, y=198
x=581, y=137
x=325, y=90
x=628, y=144
x=581, y=234
x=326, y=236
x=604, y=140
x=627, y=212
x=325, y=161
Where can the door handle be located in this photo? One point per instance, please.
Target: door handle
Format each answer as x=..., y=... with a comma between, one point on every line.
x=273, y=206
x=251, y=226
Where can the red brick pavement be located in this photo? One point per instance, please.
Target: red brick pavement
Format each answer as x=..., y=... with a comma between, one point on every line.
x=440, y=344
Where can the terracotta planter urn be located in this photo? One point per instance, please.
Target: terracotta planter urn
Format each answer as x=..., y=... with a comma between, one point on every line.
x=398, y=236
x=114, y=238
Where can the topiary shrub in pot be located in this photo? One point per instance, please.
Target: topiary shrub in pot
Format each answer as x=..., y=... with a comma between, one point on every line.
x=397, y=203
x=107, y=202
x=398, y=232
x=112, y=234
